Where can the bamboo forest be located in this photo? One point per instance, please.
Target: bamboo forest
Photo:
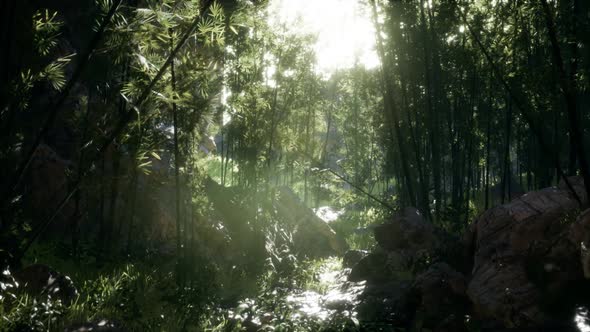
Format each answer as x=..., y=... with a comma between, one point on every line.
x=295, y=165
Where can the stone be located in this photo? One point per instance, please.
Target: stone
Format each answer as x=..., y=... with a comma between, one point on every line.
x=380, y=266
x=406, y=230
x=352, y=257
x=312, y=236
x=440, y=291
x=527, y=266
x=390, y=304
x=41, y=280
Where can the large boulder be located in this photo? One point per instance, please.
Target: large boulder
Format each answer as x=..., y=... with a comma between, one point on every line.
x=41, y=280
x=387, y=306
x=352, y=257
x=442, y=301
x=527, y=262
x=407, y=285
x=382, y=266
x=312, y=236
x=233, y=207
x=407, y=230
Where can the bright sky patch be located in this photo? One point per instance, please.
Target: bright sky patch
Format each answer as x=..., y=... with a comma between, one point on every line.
x=344, y=29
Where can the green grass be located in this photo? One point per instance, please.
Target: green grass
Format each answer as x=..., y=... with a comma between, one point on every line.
x=143, y=295
x=140, y=294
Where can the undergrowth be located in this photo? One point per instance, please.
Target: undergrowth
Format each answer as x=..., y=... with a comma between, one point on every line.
x=134, y=296
x=144, y=295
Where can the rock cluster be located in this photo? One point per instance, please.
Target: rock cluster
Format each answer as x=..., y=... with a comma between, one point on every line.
x=528, y=258
x=404, y=286
x=525, y=265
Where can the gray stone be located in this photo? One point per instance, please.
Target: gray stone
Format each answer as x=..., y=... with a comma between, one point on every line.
x=41, y=280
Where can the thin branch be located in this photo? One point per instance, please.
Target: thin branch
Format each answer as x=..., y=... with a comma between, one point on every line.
x=376, y=199
x=355, y=186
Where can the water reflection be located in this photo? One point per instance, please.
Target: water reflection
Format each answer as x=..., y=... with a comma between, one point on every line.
x=327, y=213
x=340, y=296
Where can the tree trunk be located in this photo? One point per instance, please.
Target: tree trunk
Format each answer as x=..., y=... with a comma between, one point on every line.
x=390, y=111
x=176, y=158
x=112, y=201
x=432, y=116
x=506, y=175
x=78, y=197
x=569, y=92
x=488, y=144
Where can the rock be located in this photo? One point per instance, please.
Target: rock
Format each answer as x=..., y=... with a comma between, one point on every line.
x=370, y=267
x=526, y=263
x=580, y=234
x=441, y=294
x=352, y=257
x=312, y=235
x=237, y=215
x=407, y=230
x=41, y=280
x=387, y=304
x=381, y=266
x=101, y=325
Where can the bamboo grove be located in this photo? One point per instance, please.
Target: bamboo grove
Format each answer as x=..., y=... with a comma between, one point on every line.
x=473, y=102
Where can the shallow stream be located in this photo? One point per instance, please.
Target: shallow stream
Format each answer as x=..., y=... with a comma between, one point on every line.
x=339, y=296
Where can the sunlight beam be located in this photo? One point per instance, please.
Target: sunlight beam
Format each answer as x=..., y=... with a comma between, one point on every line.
x=344, y=29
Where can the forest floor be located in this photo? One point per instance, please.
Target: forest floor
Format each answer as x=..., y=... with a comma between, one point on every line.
x=143, y=295
x=416, y=277
x=318, y=297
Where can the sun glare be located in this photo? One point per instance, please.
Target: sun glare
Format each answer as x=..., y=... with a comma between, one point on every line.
x=344, y=29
